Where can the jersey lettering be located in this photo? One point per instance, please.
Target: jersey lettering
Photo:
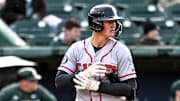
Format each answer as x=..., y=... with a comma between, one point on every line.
x=83, y=66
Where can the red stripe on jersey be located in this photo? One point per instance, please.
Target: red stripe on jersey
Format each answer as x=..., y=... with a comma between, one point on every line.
x=127, y=75
x=100, y=96
x=109, y=51
x=87, y=51
x=68, y=69
x=90, y=95
x=78, y=64
x=91, y=62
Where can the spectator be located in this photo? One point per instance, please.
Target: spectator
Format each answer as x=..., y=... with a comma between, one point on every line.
x=27, y=89
x=71, y=34
x=19, y=9
x=150, y=35
x=2, y=3
x=175, y=90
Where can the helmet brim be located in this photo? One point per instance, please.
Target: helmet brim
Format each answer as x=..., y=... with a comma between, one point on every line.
x=111, y=18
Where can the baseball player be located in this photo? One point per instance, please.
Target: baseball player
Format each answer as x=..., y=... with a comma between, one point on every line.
x=99, y=67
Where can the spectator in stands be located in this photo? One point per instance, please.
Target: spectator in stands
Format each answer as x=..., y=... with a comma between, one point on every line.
x=19, y=9
x=27, y=89
x=71, y=33
x=150, y=35
x=2, y=3
x=163, y=4
x=175, y=90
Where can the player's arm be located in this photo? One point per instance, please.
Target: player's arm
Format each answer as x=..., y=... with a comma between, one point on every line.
x=126, y=88
x=67, y=68
x=63, y=79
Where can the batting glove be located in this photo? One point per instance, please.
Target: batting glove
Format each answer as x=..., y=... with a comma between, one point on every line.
x=86, y=83
x=97, y=69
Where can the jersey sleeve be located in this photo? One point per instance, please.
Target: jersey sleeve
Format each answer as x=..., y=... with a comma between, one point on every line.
x=126, y=69
x=68, y=63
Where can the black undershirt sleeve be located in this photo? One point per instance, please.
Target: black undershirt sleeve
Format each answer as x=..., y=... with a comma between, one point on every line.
x=64, y=80
x=126, y=88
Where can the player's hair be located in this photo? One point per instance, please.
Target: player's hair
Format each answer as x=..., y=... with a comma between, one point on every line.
x=71, y=23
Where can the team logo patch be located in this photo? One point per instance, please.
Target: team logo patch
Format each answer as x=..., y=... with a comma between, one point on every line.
x=65, y=60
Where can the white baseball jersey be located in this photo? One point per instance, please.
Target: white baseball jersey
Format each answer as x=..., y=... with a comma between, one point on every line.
x=114, y=54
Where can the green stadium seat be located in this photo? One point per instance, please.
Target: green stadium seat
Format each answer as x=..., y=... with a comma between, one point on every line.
x=130, y=32
x=27, y=29
x=173, y=12
x=85, y=3
x=51, y=2
x=83, y=13
x=88, y=1
x=60, y=27
x=126, y=3
x=140, y=13
x=40, y=41
x=61, y=10
x=168, y=30
x=176, y=40
x=33, y=27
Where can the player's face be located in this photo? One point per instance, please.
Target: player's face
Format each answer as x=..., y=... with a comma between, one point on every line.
x=109, y=28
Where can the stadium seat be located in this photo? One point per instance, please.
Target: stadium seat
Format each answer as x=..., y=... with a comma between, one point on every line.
x=61, y=10
x=168, y=30
x=30, y=28
x=126, y=3
x=173, y=12
x=51, y=2
x=60, y=27
x=88, y=1
x=40, y=41
x=82, y=16
x=176, y=40
x=83, y=13
x=130, y=32
x=85, y=3
x=140, y=13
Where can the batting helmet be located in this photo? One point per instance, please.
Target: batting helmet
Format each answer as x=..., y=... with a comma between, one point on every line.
x=104, y=12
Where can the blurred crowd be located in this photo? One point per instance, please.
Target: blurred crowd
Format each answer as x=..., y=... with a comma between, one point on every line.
x=55, y=16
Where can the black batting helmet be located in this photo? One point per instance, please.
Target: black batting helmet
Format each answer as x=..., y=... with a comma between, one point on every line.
x=104, y=12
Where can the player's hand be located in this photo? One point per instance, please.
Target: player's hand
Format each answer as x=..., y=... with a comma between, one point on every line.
x=86, y=83
x=97, y=69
